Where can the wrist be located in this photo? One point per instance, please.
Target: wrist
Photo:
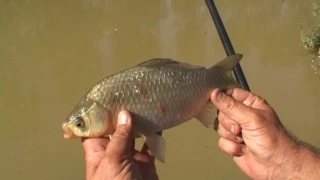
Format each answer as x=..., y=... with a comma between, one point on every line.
x=300, y=162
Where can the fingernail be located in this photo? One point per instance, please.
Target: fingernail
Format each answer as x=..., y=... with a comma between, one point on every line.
x=233, y=128
x=244, y=150
x=123, y=118
x=219, y=96
x=239, y=139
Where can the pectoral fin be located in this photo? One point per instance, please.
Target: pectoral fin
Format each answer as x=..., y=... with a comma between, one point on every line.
x=207, y=114
x=157, y=146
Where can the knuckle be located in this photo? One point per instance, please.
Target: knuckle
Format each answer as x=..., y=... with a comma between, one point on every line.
x=256, y=117
x=223, y=119
x=221, y=143
x=227, y=123
x=230, y=104
x=229, y=147
x=228, y=136
x=261, y=100
x=219, y=132
x=121, y=133
x=223, y=133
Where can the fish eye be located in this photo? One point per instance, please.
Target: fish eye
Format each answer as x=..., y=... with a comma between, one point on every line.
x=79, y=122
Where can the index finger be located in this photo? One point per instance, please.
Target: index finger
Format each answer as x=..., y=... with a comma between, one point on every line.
x=94, y=145
x=234, y=108
x=238, y=94
x=248, y=98
x=94, y=149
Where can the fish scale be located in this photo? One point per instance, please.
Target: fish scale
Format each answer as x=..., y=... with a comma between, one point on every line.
x=159, y=93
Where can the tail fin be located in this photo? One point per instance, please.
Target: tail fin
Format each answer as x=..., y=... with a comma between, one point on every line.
x=224, y=69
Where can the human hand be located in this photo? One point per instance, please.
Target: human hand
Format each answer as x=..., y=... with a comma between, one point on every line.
x=264, y=144
x=116, y=158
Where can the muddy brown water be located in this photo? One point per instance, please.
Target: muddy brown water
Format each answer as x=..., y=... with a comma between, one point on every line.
x=52, y=52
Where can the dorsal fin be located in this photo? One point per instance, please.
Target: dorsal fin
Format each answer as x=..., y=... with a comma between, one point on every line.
x=157, y=62
x=228, y=63
x=166, y=62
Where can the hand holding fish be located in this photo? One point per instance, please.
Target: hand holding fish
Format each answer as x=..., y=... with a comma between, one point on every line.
x=117, y=158
x=268, y=151
x=163, y=93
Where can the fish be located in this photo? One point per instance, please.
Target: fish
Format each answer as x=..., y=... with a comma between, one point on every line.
x=159, y=93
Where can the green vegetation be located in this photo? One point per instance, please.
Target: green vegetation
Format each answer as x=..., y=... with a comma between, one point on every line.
x=311, y=41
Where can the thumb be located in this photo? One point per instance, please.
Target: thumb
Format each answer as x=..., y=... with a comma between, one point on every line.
x=234, y=109
x=120, y=143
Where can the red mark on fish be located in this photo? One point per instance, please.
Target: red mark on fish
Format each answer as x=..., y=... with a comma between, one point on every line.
x=143, y=92
x=163, y=109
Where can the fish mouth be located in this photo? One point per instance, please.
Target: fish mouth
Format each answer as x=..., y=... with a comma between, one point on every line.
x=68, y=134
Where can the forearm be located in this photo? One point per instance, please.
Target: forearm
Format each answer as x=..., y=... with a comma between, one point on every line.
x=309, y=166
x=301, y=162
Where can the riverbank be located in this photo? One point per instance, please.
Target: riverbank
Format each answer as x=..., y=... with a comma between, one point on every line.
x=311, y=40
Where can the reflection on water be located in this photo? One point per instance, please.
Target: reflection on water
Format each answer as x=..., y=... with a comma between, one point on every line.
x=53, y=52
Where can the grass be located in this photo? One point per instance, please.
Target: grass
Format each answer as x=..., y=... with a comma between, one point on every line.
x=311, y=40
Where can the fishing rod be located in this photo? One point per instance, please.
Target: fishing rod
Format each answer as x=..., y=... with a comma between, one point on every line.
x=237, y=70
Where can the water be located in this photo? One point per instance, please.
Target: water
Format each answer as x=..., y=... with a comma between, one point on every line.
x=53, y=52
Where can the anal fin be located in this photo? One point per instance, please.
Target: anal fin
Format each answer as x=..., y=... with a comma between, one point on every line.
x=207, y=114
x=157, y=146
